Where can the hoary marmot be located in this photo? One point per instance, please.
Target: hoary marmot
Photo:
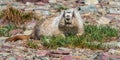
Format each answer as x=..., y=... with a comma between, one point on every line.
x=69, y=22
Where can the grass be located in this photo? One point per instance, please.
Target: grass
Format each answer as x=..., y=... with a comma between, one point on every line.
x=92, y=34
x=61, y=7
x=32, y=44
x=4, y=31
x=100, y=33
x=1, y=14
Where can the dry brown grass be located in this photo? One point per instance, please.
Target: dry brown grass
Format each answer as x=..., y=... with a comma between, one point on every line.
x=17, y=17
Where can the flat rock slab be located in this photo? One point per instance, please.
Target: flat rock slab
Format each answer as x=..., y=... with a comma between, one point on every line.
x=108, y=56
x=2, y=40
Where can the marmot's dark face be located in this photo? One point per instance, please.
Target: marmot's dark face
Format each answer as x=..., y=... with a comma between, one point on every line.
x=68, y=16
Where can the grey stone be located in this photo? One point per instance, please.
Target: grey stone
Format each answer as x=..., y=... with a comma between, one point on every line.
x=44, y=58
x=52, y=1
x=27, y=32
x=103, y=21
x=4, y=54
x=2, y=40
x=30, y=25
x=11, y=58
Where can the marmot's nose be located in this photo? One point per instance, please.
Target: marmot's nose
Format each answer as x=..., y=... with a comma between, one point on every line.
x=67, y=16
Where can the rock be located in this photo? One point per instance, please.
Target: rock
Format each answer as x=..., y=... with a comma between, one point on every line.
x=44, y=58
x=27, y=32
x=20, y=47
x=11, y=58
x=107, y=56
x=16, y=31
x=6, y=1
x=33, y=1
x=30, y=25
x=20, y=57
x=114, y=51
x=40, y=3
x=18, y=52
x=29, y=4
x=2, y=40
x=2, y=23
x=46, y=13
x=18, y=5
x=7, y=44
x=6, y=47
x=118, y=44
x=4, y=53
x=38, y=13
x=64, y=49
x=41, y=53
x=29, y=57
x=112, y=44
x=55, y=59
x=52, y=1
x=71, y=58
x=102, y=12
x=24, y=1
x=103, y=21
x=60, y=52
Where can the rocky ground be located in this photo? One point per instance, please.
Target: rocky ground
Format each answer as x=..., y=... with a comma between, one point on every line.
x=18, y=51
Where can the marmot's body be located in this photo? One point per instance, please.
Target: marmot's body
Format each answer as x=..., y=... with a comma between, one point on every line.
x=69, y=22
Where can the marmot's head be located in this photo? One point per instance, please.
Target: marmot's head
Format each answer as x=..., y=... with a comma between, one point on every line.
x=68, y=17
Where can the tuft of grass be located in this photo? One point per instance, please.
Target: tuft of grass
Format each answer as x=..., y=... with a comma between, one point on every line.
x=1, y=14
x=32, y=44
x=61, y=7
x=5, y=29
x=92, y=34
x=17, y=17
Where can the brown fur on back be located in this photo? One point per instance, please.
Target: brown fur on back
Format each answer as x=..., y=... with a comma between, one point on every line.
x=36, y=31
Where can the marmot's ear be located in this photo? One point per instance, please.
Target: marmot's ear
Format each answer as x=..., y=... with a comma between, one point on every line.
x=63, y=13
x=73, y=14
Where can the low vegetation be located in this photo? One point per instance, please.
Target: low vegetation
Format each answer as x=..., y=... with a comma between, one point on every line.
x=1, y=14
x=61, y=7
x=4, y=31
x=92, y=34
x=32, y=44
x=15, y=16
x=100, y=33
